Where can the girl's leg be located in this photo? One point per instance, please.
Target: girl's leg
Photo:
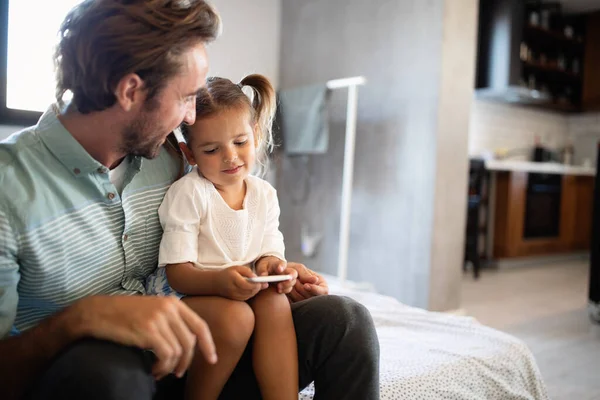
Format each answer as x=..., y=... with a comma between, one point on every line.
x=231, y=324
x=275, y=351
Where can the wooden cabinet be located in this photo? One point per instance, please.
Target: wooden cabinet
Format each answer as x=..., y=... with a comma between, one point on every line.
x=591, y=78
x=509, y=220
x=584, y=205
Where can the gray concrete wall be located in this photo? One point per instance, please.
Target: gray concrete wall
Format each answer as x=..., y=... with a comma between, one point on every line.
x=396, y=45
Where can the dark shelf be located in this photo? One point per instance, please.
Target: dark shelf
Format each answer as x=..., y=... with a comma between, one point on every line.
x=548, y=34
x=554, y=70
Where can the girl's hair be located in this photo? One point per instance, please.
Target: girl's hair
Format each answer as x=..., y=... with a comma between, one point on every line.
x=221, y=94
x=101, y=41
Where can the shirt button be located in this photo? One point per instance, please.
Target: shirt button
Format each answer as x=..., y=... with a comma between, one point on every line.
x=76, y=171
x=101, y=170
x=111, y=196
x=125, y=237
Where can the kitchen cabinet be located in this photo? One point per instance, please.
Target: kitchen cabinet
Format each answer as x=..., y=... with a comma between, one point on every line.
x=575, y=215
x=591, y=77
x=530, y=53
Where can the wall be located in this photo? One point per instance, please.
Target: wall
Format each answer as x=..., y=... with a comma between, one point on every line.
x=250, y=41
x=397, y=46
x=499, y=125
x=584, y=129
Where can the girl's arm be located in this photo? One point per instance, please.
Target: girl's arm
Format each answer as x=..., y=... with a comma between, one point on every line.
x=229, y=282
x=187, y=279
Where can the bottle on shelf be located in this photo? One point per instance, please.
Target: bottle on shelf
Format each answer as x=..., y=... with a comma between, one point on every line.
x=534, y=18
x=575, y=66
x=524, y=53
x=568, y=153
x=561, y=62
x=568, y=31
x=532, y=84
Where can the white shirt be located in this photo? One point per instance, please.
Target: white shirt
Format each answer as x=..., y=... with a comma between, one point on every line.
x=200, y=227
x=117, y=175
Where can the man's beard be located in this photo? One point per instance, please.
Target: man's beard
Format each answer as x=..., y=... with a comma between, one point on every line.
x=142, y=138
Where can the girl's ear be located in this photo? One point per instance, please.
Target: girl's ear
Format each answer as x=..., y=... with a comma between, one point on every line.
x=188, y=153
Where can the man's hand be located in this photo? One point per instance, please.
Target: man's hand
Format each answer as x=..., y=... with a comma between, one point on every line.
x=164, y=325
x=233, y=284
x=271, y=265
x=308, y=284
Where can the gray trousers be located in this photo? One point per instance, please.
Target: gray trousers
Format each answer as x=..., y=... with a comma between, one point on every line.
x=337, y=349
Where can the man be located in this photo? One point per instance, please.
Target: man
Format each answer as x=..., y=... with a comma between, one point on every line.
x=79, y=229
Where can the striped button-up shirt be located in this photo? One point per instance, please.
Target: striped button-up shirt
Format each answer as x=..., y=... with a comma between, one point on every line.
x=65, y=232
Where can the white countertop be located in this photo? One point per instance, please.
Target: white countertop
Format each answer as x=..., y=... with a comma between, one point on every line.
x=540, y=167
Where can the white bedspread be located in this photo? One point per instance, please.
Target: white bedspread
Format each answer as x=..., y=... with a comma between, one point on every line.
x=426, y=355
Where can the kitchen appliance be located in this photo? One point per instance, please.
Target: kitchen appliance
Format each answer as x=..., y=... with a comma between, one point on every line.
x=542, y=207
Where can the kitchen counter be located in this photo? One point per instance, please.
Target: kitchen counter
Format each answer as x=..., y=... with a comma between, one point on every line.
x=539, y=167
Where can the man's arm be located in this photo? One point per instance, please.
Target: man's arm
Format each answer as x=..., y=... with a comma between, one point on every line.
x=162, y=324
x=25, y=355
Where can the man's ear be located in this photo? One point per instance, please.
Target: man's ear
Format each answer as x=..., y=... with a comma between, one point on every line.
x=130, y=92
x=188, y=153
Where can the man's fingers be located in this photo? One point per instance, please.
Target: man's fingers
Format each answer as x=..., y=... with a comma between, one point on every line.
x=204, y=339
x=312, y=279
x=299, y=287
x=163, y=349
x=304, y=274
x=295, y=296
x=316, y=290
x=187, y=341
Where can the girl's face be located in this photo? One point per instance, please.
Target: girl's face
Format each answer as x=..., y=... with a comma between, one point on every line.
x=223, y=146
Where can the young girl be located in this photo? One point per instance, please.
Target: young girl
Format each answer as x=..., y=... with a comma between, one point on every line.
x=219, y=222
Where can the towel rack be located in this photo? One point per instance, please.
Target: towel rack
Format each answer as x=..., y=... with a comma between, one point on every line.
x=352, y=84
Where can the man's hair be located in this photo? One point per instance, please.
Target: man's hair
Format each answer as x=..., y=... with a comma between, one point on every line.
x=101, y=41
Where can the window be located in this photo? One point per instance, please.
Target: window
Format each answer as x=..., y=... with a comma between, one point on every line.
x=29, y=33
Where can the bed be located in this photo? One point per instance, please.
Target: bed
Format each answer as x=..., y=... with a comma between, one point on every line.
x=426, y=355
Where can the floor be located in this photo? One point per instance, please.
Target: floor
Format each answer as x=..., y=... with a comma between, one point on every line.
x=545, y=306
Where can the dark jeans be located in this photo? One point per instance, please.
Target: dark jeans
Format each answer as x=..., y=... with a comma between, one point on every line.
x=337, y=349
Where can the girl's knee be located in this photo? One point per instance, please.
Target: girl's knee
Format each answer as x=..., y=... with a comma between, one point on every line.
x=271, y=304
x=236, y=322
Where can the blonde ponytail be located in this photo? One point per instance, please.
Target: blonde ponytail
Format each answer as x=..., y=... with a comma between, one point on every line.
x=264, y=106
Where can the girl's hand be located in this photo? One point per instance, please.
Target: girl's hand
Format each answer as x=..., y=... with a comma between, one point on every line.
x=270, y=265
x=233, y=284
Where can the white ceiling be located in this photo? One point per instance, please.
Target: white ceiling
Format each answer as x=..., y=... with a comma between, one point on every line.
x=580, y=6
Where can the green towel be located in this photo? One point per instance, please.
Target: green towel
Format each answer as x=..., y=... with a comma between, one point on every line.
x=304, y=121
